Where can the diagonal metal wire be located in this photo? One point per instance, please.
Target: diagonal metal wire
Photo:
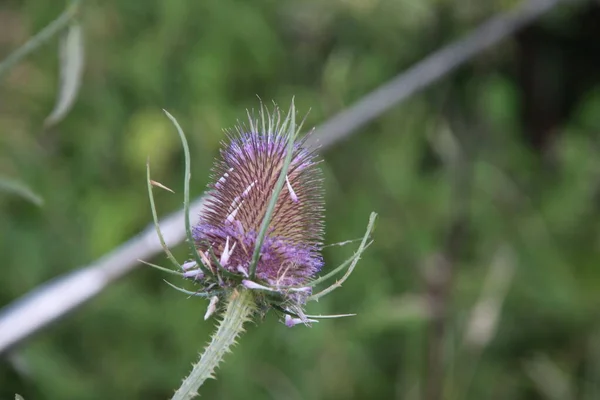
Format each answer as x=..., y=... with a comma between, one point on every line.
x=55, y=299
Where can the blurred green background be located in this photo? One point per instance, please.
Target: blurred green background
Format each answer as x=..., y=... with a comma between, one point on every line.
x=486, y=256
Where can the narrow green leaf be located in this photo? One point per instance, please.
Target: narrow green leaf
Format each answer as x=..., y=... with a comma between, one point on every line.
x=186, y=196
x=288, y=124
x=20, y=189
x=361, y=249
x=338, y=269
x=71, y=71
x=155, y=219
x=167, y=270
x=54, y=27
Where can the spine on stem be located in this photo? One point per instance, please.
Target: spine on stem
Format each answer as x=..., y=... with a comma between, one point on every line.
x=240, y=307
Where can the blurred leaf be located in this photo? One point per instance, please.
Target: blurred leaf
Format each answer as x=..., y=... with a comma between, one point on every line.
x=20, y=189
x=71, y=70
x=551, y=382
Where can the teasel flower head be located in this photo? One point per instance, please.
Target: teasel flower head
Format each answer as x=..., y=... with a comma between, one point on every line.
x=243, y=182
x=261, y=226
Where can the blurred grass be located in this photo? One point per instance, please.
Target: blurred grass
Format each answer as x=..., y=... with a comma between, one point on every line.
x=206, y=62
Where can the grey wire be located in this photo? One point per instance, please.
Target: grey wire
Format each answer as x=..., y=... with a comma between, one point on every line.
x=55, y=299
x=429, y=70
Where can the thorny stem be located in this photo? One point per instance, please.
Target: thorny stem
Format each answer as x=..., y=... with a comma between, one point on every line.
x=239, y=308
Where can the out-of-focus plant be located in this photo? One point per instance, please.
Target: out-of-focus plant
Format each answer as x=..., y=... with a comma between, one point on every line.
x=71, y=62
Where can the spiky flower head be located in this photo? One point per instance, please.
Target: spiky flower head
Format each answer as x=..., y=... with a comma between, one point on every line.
x=262, y=223
x=244, y=180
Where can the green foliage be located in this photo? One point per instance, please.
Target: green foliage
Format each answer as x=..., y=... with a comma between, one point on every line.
x=206, y=61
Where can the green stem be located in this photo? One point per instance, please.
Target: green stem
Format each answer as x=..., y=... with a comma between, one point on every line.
x=42, y=37
x=240, y=307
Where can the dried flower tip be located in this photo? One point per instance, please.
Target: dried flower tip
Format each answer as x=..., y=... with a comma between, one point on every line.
x=194, y=274
x=160, y=185
x=226, y=253
x=212, y=307
x=290, y=321
x=256, y=286
x=189, y=265
x=293, y=195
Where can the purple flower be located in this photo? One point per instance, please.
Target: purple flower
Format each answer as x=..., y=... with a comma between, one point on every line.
x=243, y=181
